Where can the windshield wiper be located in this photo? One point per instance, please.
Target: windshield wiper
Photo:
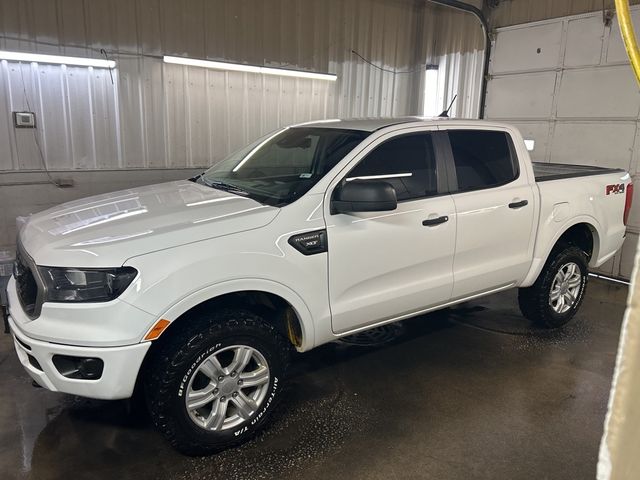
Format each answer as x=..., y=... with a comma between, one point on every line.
x=227, y=187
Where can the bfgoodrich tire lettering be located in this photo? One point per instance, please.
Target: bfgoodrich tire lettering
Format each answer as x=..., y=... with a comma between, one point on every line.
x=177, y=362
x=539, y=302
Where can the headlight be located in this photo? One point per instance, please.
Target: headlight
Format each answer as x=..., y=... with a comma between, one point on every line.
x=85, y=285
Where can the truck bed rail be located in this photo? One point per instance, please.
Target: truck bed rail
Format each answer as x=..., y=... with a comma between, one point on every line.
x=558, y=171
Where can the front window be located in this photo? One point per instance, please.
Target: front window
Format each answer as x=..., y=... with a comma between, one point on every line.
x=407, y=162
x=281, y=167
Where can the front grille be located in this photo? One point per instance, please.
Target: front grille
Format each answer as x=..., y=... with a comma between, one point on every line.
x=26, y=285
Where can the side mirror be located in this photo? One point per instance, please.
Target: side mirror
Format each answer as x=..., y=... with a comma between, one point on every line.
x=364, y=196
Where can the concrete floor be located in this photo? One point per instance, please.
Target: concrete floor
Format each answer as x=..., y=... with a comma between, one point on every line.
x=471, y=392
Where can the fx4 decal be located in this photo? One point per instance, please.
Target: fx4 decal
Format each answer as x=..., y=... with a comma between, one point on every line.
x=615, y=189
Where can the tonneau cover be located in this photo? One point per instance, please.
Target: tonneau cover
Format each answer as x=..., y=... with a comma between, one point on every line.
x=558, y=171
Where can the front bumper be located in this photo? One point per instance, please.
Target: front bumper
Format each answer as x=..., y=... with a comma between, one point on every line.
x=121, y=366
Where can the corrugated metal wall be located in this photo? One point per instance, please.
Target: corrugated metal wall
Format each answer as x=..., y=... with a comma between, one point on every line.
x=169, y=116
x=156, y=121
x=514, y=12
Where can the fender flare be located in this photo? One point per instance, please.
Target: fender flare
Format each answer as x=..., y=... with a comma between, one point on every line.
x=538, y=261
x=252, y=284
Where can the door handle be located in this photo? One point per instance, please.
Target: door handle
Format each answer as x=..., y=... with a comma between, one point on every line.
x=432, y=222
x=520, y=204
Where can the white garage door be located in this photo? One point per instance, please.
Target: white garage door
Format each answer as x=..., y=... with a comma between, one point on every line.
x=567, y=84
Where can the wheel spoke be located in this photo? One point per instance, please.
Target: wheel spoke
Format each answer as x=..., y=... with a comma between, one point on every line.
x=569, y=299
x=555, y=293
x=572, y=270
x=211, y=368
x=199, y=398
x=560, y=304
x=575, y=282
x=246, y=405
x=255, y=378
x=241, y=357
x=217, y=416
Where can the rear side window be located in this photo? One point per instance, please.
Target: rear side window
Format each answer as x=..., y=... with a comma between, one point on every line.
x=482, y=159
x=407, y=163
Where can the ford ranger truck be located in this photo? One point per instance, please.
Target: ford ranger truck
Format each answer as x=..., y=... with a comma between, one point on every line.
x=197, y=291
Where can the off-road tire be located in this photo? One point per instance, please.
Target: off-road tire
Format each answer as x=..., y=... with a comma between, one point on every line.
x=534, y=300
x=177, y=358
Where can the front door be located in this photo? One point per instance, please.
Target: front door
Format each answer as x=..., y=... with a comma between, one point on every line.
x=385, y=265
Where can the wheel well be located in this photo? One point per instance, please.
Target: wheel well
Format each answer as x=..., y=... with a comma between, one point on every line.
x=273, y=308
x=581, y=235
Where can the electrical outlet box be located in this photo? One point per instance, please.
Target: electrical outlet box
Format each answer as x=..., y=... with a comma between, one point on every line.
x=24, y=119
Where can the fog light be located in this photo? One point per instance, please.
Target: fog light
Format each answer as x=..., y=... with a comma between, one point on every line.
x=85, y=368
x=34, y=363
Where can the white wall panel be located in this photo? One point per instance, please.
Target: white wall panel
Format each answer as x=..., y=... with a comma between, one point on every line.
x=598, y=144
x=616, y=52
x=531, y=95
x=584, y=42
x=599, y=92
x=539, y=133
x=634, y=218
x=592, y=112
x=527, y=49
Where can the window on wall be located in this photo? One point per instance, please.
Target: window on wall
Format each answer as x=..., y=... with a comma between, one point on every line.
x=432, y=105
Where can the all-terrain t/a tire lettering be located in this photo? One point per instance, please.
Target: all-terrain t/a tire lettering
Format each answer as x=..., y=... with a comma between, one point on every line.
x=556, y=295
x=214, y=384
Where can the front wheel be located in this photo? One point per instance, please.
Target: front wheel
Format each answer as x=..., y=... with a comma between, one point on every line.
x=214, y=385
x=556, y=295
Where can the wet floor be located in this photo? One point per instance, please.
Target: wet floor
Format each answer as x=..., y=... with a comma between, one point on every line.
x=470, y=392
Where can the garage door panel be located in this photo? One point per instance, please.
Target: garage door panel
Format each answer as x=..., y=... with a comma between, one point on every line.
x=634, y=215
x=628, y=254
x=528, y=48
x=599, y=144
x=598, y=92
x=616, y=52
x=539, y=132
x=584, y=42
x=521, y=96
x=610, y=266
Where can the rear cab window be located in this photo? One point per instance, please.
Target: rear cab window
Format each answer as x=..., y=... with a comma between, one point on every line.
x=482, y=159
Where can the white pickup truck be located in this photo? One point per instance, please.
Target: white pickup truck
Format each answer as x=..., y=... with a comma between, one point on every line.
x=197, y=290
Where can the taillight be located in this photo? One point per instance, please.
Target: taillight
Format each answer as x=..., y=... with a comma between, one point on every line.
x=627, y=203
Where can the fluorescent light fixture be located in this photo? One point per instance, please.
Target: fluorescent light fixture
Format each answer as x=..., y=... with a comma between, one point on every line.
x=236, y=67
x=530, y=144
x=57, y=59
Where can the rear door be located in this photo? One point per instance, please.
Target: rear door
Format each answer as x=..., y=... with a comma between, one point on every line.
x=383, y=265
x=494, y=203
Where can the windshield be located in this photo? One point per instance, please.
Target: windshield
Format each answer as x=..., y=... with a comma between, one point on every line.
x=281, y=167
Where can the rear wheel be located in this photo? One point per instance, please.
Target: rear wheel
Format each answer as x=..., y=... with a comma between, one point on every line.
x=558, y=292
x=214, y=385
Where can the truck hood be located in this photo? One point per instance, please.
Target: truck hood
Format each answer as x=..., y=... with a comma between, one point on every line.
x=106, y=230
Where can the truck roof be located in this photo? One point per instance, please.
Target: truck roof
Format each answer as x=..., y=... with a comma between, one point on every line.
x=373, y=124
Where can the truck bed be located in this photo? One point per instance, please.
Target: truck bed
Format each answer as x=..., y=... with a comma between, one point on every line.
x=558, y=171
